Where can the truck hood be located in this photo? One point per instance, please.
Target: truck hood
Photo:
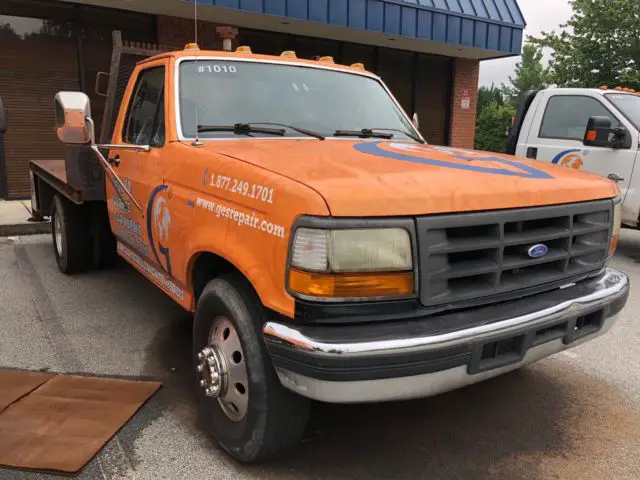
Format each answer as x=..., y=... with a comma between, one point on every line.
x=387, y=178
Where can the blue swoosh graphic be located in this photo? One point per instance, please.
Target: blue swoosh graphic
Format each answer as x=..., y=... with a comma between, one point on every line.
x=559, y=156
x=373, y=148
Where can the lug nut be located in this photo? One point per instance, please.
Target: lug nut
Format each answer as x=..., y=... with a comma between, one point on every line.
x=200, y=356
x=211, y=360
x=208, y=392
x=203, y=383
x=200, y=368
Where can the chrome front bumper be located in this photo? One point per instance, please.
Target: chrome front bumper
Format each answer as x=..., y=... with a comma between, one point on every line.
x=420, y=358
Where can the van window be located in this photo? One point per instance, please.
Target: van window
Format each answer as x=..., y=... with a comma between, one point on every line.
x=144, y=124
x=566, y=117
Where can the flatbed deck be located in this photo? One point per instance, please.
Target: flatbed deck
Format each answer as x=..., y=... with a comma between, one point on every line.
x=54, y=172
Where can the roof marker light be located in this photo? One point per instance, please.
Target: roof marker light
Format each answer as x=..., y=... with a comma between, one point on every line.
x=358, y=66
x=243, y=49
x=191, y=46
x=604, y=87
x=288, y=54
x=326, y=59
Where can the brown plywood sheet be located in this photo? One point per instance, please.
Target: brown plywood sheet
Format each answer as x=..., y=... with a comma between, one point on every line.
x=16, y=384
x=63, y=424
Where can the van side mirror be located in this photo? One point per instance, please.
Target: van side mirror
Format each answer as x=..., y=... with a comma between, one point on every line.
x=600, y=134
x=74, y=125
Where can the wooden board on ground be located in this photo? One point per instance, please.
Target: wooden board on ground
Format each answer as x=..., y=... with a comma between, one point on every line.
x=65, y=421
x=15, y=384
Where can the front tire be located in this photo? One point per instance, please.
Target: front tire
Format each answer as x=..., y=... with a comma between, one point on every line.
x=71, y=236
x=246, y=409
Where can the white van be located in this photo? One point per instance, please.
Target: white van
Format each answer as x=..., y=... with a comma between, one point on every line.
x=596, y=130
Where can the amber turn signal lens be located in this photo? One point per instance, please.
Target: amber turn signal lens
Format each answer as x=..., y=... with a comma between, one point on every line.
x=351, y=285
x=591, y=135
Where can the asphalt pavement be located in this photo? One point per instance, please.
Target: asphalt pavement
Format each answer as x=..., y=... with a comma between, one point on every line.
x=573, y=415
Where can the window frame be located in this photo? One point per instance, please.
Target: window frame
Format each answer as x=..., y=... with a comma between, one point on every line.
x=546, y=109
x=136, y=89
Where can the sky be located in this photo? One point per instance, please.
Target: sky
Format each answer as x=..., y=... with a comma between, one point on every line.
x=540, y=15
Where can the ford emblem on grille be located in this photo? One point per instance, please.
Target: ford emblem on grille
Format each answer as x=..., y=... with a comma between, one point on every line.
x=537, y=250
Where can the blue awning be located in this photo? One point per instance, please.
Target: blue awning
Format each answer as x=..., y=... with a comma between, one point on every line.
x=491, y=25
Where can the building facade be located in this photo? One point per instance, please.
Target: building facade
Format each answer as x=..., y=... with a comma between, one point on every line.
x=427, y=51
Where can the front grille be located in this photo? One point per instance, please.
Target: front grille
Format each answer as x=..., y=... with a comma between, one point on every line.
x=467, y=256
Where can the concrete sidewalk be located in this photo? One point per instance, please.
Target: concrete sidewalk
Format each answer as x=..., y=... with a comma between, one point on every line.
x=14, y=217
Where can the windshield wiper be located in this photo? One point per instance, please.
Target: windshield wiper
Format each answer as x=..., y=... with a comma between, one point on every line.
x=404, y=132
x=247, y=128
x=376, y=133
x=364, y=133
x=303, y=131
x=241, y=129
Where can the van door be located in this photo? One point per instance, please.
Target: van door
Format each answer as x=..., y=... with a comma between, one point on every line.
x=558, y=131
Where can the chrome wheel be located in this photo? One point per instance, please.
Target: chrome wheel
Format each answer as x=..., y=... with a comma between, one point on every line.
x=57, y=227
x=223, y=370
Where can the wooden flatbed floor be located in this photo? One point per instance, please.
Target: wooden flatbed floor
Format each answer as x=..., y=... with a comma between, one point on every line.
x=54, y=172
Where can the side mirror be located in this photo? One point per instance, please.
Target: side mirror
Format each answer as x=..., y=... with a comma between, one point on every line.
x=74, y=125
x=3, y=119
x=600, y=134
x=416, y=120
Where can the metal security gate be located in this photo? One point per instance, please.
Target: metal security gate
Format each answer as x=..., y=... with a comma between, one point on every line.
x=33, y=69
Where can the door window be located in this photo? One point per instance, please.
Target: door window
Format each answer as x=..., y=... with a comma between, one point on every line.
x=566, y=117
x=145, y=124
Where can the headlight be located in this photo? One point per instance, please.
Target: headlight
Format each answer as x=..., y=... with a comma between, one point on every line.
x=351, y=263
x=615, y=228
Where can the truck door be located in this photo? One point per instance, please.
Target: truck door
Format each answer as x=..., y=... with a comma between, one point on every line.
x=142, y=231
x=558, y=131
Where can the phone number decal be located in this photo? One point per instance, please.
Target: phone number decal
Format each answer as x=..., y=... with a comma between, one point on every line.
x=243, y=188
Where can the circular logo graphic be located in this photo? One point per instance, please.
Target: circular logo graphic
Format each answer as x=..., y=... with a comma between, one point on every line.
x=572, y=160
x=162, y=220
x=538, y=250
x=159, y=226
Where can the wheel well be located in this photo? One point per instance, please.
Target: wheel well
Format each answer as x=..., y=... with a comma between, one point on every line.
x=208, y=266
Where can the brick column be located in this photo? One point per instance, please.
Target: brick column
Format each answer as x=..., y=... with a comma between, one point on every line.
x=462, y=128
x=177, y=32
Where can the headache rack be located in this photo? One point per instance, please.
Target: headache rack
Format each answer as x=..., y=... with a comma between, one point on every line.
x=467, y=256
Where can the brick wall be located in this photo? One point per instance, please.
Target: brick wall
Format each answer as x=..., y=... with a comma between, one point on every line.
x=463, y=121
x=177, y=32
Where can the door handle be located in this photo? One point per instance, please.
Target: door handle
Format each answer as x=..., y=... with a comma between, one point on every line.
x=615, y=177
x=115, y=161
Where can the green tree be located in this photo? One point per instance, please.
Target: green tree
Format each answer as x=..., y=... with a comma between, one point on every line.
x=491, y=128
x=487, y=95
x=530, y=73
x=600, y=45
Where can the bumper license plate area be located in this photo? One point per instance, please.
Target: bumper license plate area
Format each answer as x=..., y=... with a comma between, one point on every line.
x=498, y=353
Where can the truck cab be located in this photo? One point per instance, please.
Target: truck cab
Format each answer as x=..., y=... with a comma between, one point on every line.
x=327, y=252
x=551, y=125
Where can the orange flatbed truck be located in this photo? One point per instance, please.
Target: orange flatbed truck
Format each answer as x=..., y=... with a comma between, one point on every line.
x=326, y=250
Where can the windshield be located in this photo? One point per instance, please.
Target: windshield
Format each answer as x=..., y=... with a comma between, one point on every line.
x=628, y=104
x=231, y=92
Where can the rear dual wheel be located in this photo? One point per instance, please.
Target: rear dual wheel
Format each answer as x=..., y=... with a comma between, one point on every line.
x=245, y=408
x=71, y=236
x=81, y=236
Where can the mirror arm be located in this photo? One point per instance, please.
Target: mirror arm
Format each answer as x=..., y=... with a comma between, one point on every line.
x=136, y=148
x=114, y=178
